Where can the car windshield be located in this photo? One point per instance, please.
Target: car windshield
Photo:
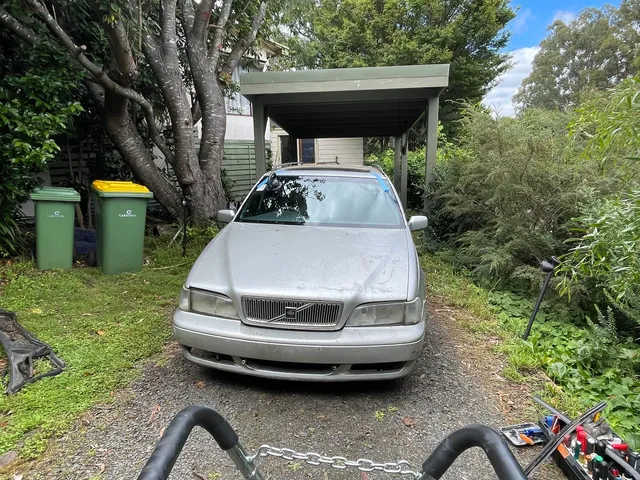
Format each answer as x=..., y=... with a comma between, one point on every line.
x=327, y=201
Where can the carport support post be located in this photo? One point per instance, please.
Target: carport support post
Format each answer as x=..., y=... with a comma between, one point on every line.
x=259, y=127
x=294, y=148
x=432, y=142
x=397, y=166
x=404, y=169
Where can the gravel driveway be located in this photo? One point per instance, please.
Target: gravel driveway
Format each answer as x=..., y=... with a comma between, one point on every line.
x=334, y=419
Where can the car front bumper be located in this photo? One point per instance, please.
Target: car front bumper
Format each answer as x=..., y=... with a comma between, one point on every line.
x=352, y=353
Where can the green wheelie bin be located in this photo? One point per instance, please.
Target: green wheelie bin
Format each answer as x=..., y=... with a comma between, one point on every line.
x=55, y=221
x=121, y=210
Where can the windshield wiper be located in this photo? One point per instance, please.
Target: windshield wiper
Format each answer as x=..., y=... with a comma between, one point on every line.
x=271, y=222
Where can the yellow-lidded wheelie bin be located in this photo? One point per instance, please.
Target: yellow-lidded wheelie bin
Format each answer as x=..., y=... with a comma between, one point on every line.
x=55, y=220
x=121, y=210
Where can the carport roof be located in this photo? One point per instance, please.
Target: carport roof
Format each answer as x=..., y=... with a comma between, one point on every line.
x=346, y=102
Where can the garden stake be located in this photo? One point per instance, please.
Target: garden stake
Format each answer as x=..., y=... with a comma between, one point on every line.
x=184, y=227
x=547, y=267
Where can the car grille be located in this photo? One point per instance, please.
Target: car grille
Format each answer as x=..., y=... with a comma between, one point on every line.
x=291, y=313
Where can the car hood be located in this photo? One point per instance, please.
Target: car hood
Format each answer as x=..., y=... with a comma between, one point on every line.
x=308, y=262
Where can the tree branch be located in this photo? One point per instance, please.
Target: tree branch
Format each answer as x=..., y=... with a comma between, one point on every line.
x=24, y=33
x=241, y=47
x=168, y=31
x=101, y=77
x=201, y=18
x=220, y=33
x=120, y=47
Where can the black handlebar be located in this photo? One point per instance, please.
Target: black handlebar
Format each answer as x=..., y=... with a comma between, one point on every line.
x=170, y=445
x=166, y=453
x=501, y=458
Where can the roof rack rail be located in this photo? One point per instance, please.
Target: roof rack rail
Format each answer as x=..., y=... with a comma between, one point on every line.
x=288, y=164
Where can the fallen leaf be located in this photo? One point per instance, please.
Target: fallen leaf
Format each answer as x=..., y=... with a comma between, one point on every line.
x=408, y=422
x=37, y=311
x=102, y=468
x=87, y=314
x=154, y=412
x=199, y=475
x=200, y=384
x=100, y=332
x=17, y=476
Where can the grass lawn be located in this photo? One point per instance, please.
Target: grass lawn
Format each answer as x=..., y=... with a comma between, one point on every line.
x=99, y=325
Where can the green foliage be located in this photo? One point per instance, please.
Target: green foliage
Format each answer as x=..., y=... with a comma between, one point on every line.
x=366, y=33
x=586, y=359
x=506, y=203
x=606, y=254
x=610, y=123
x=589, y=361
x=416, y=167
x=101, y=325
x=35, y=105
x=596, y=50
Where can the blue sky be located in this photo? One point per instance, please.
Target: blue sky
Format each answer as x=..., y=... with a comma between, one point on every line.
x=529, y=28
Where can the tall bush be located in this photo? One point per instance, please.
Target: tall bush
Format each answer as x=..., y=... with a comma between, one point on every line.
x=604, y=261
x=607, y=254
x=508, y=203
x=35, y=106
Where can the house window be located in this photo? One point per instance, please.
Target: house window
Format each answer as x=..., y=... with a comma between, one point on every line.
x=236, y=104
x=308, y=150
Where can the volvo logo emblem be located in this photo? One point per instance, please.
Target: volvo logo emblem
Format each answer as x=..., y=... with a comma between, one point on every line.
x=290, y=313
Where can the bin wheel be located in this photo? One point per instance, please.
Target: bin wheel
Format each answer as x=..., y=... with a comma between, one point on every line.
x=91, y=259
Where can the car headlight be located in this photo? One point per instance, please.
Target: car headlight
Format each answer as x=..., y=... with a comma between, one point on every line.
x=207, y=303
x=397, y=313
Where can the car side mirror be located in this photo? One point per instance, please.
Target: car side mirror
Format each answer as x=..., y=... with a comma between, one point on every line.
x=226, y=216
x=418, y=222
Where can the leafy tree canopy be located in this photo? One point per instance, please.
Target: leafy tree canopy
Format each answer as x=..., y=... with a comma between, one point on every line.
x=366, y=33
x=596, y=50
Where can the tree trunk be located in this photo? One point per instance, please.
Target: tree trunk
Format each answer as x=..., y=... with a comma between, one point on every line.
x=205, y=197
x=127, y=140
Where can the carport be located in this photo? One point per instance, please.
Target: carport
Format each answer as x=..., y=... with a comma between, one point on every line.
x=350, y=102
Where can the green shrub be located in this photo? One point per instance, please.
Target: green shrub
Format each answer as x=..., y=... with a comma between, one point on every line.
x=35, y=106
x=416, y=168
x=589, y=359
x=508, y=203
x=606, y=255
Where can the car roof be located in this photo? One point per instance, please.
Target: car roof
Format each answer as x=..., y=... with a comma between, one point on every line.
x=330, y=169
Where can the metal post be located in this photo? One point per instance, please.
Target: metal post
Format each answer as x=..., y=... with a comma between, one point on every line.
x=404, y=169
x=432, y=142
x=244, y=463
x=259, y=127
x=185, y=218
x=547, y=267
x=294, y=148
x=397, y=166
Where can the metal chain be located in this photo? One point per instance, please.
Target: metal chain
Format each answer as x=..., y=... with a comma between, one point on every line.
x=401, y=467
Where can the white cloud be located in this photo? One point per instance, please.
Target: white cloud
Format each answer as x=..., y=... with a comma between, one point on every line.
x=499, y=98
x=519, y=24
x=563, y=15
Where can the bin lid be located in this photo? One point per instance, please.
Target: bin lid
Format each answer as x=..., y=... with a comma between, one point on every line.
x=55, y=194
x=111, y=188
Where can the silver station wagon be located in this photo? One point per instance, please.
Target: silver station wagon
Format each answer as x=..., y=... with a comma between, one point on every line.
x=315, y=278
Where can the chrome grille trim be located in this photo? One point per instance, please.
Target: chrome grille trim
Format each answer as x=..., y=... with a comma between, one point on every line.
x=308, y=314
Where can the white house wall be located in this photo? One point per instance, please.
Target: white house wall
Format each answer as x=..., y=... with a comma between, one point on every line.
x=349, y=151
